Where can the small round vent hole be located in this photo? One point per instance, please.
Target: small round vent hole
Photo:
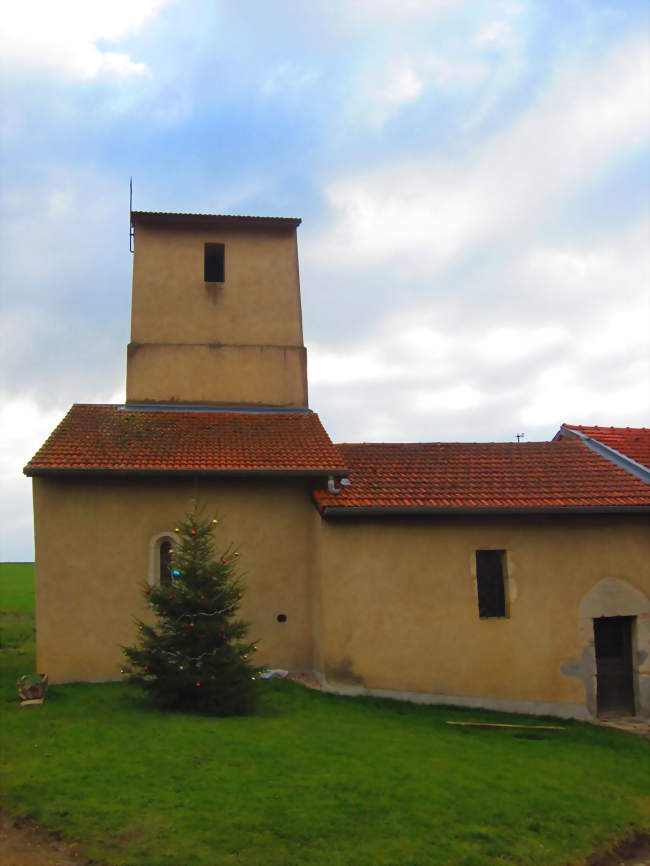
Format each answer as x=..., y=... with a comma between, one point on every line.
x=282, y=617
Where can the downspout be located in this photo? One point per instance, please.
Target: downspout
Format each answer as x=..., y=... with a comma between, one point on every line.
x=331, y=485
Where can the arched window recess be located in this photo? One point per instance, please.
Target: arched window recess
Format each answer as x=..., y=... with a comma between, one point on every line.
x=161, y=550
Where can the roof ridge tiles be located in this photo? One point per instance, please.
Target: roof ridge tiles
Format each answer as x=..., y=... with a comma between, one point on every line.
x=537, y=442
x=601, y=427
x=204, y=214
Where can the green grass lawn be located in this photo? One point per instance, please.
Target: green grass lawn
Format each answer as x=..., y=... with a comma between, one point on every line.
x=310, y=779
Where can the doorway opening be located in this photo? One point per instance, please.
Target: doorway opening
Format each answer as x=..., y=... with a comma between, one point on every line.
x=614, y=672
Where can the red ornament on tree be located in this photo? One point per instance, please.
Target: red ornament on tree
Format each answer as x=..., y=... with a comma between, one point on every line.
x=197, y=683
x=191, y=625
x=192, y=532
x=164, y=613
x=171, y=597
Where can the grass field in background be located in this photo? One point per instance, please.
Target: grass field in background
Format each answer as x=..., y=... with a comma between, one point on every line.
x=17, y=614
x=310, y=780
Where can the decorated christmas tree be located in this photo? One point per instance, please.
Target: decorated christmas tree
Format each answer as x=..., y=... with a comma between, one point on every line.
x=195, y=656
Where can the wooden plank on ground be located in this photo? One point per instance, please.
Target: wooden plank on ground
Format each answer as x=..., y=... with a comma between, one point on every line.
x=505, y=725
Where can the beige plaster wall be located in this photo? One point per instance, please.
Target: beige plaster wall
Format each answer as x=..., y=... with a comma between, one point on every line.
x=239, y=341
x=387, y=606
x=399, y=610
x=271, y=375
x=259, y=302
x=92, y=555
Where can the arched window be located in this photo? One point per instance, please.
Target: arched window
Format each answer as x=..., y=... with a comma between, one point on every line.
x=161, y=552
x=165, y=574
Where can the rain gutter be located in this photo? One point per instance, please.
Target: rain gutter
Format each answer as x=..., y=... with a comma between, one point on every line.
x=182, y=473
x=430, y=511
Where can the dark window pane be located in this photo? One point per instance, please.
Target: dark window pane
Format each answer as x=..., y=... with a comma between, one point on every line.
x=213, y=263
x=489, y=579
x=165, y=563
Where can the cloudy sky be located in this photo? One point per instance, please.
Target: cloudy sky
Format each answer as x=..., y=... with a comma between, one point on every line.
x=473, y=179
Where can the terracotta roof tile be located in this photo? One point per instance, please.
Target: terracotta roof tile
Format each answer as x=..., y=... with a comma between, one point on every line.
x=100, y=438
x=446, y=475
x=167, y=218
x=633, y=442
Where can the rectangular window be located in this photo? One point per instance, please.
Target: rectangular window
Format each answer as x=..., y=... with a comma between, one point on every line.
x=489, y=581
x=213, y=263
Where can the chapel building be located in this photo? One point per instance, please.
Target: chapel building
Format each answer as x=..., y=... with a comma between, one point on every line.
x=512, y=576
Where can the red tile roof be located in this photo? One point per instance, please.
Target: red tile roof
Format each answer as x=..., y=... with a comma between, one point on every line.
x=100, y=438
x=633, y=442
x=211, y=220
x=439, y=476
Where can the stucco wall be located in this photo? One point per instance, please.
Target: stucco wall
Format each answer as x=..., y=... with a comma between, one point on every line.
x=92, y=556
x=386, y=605
x=399, y=608
x=238, y=341
x=268, y=375
x=258, y=303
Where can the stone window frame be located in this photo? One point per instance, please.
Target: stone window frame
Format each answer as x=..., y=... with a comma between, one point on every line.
x=153, y=576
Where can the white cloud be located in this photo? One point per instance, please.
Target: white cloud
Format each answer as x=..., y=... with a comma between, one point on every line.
x=564, y=337
x=448, y=73
x=456, y=398
x=23, y=429
x=382, y=91
x=407, y=348
x=391, y=11
x=510, y=343
x=388, y=85
x=430, y=211
x=614, y=262
x=286, y=78
x=496, y=34
x=561, y=392
x=401, y=85
x=64, y=38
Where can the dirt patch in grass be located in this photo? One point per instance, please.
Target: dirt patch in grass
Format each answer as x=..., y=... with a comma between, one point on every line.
x=632, y=852
x=23, y=842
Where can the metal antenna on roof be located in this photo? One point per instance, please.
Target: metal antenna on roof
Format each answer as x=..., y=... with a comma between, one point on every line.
x=519, y=436
x=131, y=233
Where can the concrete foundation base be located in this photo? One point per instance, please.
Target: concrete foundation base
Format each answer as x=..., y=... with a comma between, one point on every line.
x=503, y=705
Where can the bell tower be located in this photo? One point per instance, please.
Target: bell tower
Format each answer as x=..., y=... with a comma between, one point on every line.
x=215, y=314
